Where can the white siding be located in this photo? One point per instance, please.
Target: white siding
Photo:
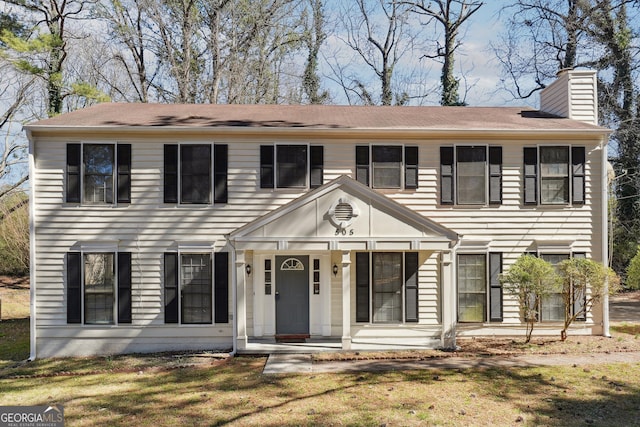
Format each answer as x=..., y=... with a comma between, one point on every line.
x=573, y=95
x=147, y=228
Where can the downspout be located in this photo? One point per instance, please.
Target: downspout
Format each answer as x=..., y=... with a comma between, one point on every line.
x=32, y=247
x=234, y=298
x=605, y=235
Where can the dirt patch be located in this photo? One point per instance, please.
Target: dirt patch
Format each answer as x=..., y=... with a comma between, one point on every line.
x=625, y=338
x=633, y=296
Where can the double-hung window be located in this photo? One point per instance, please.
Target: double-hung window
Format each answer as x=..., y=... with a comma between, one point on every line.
x=554, y=175
x=552, y=306
x=196, y=288
x=98, y=288
x=98, y=173
x=387, y=166
x=387, y=287
x=479, y=288
x=470, y=175
x=189, y=177
x=291, y=166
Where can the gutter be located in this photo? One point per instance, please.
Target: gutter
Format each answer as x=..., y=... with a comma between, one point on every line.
x=605, y=236
x=32, y=248
x=422, y=133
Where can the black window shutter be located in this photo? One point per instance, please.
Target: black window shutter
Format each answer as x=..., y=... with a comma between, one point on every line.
x=577, y=163
x=495, y=287
x=530, y=175
x=124, y=173
x=362, y=164
x=221, y=287
x=124, y=287
x=446, y=175
x=221, y=167
x=410, y=167
x=362, y=287
x=74, y=287
x=171, y=173
x=316, y=166
x=411, y=286
x=495, y=175
x=267, y=166
x=73, y=173
x=170, y=287
x=579, y=298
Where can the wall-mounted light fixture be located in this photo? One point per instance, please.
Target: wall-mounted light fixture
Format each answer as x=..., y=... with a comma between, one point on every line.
x=335, y=269
x=248, y=269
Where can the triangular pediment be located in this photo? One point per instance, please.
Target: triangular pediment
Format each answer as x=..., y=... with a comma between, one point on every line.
x=344, y=213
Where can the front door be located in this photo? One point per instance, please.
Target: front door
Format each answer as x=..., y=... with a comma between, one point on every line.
x=292, y=295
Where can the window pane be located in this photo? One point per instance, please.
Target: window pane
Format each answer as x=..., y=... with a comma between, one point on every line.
x=387, y=287
x=99, y=280
x=195, y=173
x=98, y=173
x=291, y=166
x=472, y=288
x=195, y=270
x=387, y=167
x=471, y=175
x=554, y=175
x=553, y=306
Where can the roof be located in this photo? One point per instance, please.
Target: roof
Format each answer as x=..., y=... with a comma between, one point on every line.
x=113, y=116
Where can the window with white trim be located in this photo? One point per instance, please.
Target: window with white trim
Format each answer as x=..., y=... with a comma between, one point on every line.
x=470, y=175
x=291, y=166
x=554, y=175
x=195, y=173
x=387, y=287
x=98, y=287
x=387, y=166
x=479, y=289
x=196, y=287
x=98, y=173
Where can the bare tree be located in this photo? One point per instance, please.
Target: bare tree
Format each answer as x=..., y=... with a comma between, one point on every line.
x=128, y=24
x=379, y=33
x=451, y=15
x=542, y=37
x=13, y=168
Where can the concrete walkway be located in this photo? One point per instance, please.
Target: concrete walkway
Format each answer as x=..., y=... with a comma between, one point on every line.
x=304, y=364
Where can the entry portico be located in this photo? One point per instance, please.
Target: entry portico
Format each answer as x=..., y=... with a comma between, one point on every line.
x=344, y=261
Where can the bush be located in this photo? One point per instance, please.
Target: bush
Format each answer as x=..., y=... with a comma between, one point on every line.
x=633, y=272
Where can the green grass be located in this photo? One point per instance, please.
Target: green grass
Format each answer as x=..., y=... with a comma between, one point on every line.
x=157, y=390
x=236, y=392
x=14, y=341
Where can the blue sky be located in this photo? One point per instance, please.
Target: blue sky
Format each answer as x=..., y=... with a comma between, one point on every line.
x=474, y=59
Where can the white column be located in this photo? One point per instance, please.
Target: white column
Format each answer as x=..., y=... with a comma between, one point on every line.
x=346, y=300
x=448, y=295
x=241, y=301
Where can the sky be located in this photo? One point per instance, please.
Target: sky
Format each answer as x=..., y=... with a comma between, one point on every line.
x=474, y=59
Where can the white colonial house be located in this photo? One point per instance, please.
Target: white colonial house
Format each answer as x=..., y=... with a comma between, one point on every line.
x=175, y=227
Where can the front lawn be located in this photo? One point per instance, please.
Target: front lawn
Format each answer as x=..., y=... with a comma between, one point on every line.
x=112, y=391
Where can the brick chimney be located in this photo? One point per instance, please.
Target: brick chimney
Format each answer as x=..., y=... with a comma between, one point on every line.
x=573, y=95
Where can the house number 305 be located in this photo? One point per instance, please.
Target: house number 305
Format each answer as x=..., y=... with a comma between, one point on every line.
x=344, y=232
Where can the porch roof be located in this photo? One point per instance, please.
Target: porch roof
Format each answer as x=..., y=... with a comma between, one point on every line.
x=377, y=223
